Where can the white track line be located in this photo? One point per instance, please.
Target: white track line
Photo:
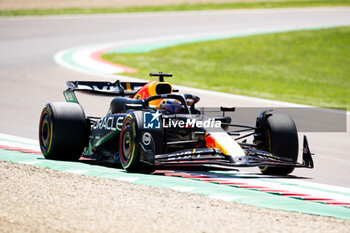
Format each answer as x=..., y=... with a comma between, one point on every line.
x=19, y=139
x=79, y=172
x=126, y=179
x=181, y=188
x=30, y=162
x=20, y=145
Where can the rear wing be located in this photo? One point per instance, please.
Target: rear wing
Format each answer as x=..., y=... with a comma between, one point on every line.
x=101, y=88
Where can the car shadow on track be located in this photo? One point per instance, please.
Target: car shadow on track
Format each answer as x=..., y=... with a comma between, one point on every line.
x=198, y=171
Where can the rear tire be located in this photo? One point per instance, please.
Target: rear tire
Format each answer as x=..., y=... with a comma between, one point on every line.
x=282, y=140
x=63, y=131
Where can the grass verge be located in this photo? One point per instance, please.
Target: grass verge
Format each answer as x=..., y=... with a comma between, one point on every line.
x=180, y=7
x=307, y=67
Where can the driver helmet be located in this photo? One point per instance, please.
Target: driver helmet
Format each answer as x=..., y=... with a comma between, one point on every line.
x=171, y=106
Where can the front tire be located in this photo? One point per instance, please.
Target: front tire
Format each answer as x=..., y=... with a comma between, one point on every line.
x=63, y=131
x=129, y=147
x=282, y=140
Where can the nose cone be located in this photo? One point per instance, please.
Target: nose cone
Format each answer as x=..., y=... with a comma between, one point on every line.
x=221, y=140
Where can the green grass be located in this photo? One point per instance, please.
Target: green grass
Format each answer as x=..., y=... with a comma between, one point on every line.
x=307, y=67
x=180, y=7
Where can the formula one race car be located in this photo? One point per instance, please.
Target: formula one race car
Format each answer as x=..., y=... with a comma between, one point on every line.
x=149, y=125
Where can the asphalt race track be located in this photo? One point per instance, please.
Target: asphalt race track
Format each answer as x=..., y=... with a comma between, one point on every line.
x=29, y=77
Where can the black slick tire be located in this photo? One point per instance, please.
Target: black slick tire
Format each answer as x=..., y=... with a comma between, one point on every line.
x=129, y=146
x=63, y=131
x=282, y=140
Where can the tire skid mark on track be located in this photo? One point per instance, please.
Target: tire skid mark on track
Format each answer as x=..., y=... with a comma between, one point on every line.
x=248, y=188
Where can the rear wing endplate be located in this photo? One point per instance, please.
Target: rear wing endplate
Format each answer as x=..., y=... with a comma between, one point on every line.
x=101, y=88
